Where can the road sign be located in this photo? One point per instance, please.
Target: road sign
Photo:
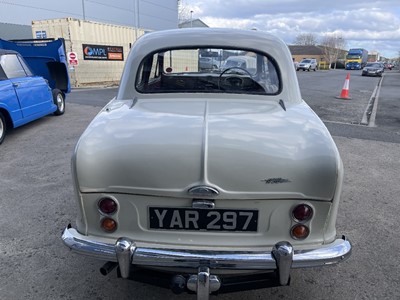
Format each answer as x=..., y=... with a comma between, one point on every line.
x=72, y=58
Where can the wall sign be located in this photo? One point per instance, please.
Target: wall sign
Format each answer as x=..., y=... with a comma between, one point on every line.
x=101, y=52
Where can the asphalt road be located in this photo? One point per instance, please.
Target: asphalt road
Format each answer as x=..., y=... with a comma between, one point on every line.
x=37, y=202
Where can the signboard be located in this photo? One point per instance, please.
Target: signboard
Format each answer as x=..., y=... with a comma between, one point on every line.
x=72, y=58
x=101, y=52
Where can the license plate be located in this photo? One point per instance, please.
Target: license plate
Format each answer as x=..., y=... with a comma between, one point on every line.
x=203, y=219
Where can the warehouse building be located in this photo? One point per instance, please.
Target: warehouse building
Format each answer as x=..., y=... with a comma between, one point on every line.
x=97, y=48
x=96, y=52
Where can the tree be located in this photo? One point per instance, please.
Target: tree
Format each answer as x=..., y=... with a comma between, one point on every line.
x=306, y=39
x=184, y=12
x=332, y=44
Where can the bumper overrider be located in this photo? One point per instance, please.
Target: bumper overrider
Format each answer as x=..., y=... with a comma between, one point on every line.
x=281, y=259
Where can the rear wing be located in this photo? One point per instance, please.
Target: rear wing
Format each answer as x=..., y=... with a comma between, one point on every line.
x=46, y=58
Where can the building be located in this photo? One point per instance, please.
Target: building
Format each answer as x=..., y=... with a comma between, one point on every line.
x=300, y=52
x=374, y=56
x=99, y=45
x=192, y=23
x=15, y=31
x=99, y=50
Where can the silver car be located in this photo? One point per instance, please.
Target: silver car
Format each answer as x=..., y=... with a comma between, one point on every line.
x=308, y=65
x=207, y=182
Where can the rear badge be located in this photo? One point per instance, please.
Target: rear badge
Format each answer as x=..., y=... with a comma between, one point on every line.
x=276, y=180
x=203, y=190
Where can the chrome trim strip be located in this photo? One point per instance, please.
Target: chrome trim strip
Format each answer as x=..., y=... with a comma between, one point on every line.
x=203, y=203
x=333, y=253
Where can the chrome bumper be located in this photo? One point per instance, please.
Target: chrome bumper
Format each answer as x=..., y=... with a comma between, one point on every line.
x=282, y=258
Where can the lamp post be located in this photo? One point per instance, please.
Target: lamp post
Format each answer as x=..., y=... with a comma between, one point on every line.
x=136, y=18
x=338, y=43
x=191, y=18
x=83, y=10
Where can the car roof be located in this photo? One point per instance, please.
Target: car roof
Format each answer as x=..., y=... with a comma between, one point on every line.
x=226, y=38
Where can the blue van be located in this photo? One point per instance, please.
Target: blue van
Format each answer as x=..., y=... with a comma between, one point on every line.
x=33, y=82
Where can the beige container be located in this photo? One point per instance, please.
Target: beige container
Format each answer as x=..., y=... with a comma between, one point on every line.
x=77, y=33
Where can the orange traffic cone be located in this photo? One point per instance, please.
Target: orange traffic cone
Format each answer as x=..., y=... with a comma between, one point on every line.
x=345, y=90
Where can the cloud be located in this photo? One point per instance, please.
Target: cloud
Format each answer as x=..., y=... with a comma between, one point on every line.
x=377, y=26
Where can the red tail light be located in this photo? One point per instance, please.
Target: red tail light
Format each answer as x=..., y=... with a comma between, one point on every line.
x=107, y=206
x=302, y=212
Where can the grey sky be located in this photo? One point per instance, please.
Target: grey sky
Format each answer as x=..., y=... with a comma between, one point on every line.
x=373, y=25
x=155, y=14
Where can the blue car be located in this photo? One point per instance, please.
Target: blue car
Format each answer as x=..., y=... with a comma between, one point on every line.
x=24, y=97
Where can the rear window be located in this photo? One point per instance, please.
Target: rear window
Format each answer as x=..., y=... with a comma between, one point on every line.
x=201, y=70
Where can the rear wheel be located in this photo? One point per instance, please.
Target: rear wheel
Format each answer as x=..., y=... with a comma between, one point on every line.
x=59, y=100
x=3, y=128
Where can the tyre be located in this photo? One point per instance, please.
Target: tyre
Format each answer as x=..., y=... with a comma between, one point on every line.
x=59, y=101
x=3, y=127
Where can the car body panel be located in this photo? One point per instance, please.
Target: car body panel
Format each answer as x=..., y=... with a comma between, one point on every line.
x=208, y=135
x=33, y=95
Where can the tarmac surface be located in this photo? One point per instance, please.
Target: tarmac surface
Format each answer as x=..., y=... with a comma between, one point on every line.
x=37, y=202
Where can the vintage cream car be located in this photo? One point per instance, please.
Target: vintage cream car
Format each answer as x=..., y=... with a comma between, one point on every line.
x=207, y=181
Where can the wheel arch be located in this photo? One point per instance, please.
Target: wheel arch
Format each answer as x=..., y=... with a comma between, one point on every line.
x=7, y=117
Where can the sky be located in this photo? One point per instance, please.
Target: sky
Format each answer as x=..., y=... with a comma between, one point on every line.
x=373, y=25
x=153, y=14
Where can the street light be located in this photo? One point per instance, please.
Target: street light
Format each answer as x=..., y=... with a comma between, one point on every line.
x=191, y=18
x=83, y=10
x=136, y=18
x=338, y=43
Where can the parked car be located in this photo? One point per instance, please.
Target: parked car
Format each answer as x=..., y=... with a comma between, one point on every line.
x=388, y=66
x=209, y=63
x=373, y=69
x=241, y=61
x=207, y=182
x=308, y=65
x=24, y=97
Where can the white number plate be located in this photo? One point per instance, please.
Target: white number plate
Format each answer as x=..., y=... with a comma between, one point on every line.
x=203, y=219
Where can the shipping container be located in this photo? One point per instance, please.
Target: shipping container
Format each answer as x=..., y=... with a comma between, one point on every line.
x=96, y=52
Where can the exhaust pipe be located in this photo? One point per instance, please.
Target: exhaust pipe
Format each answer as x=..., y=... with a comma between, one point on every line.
x=178, y=284
x=108, y=267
